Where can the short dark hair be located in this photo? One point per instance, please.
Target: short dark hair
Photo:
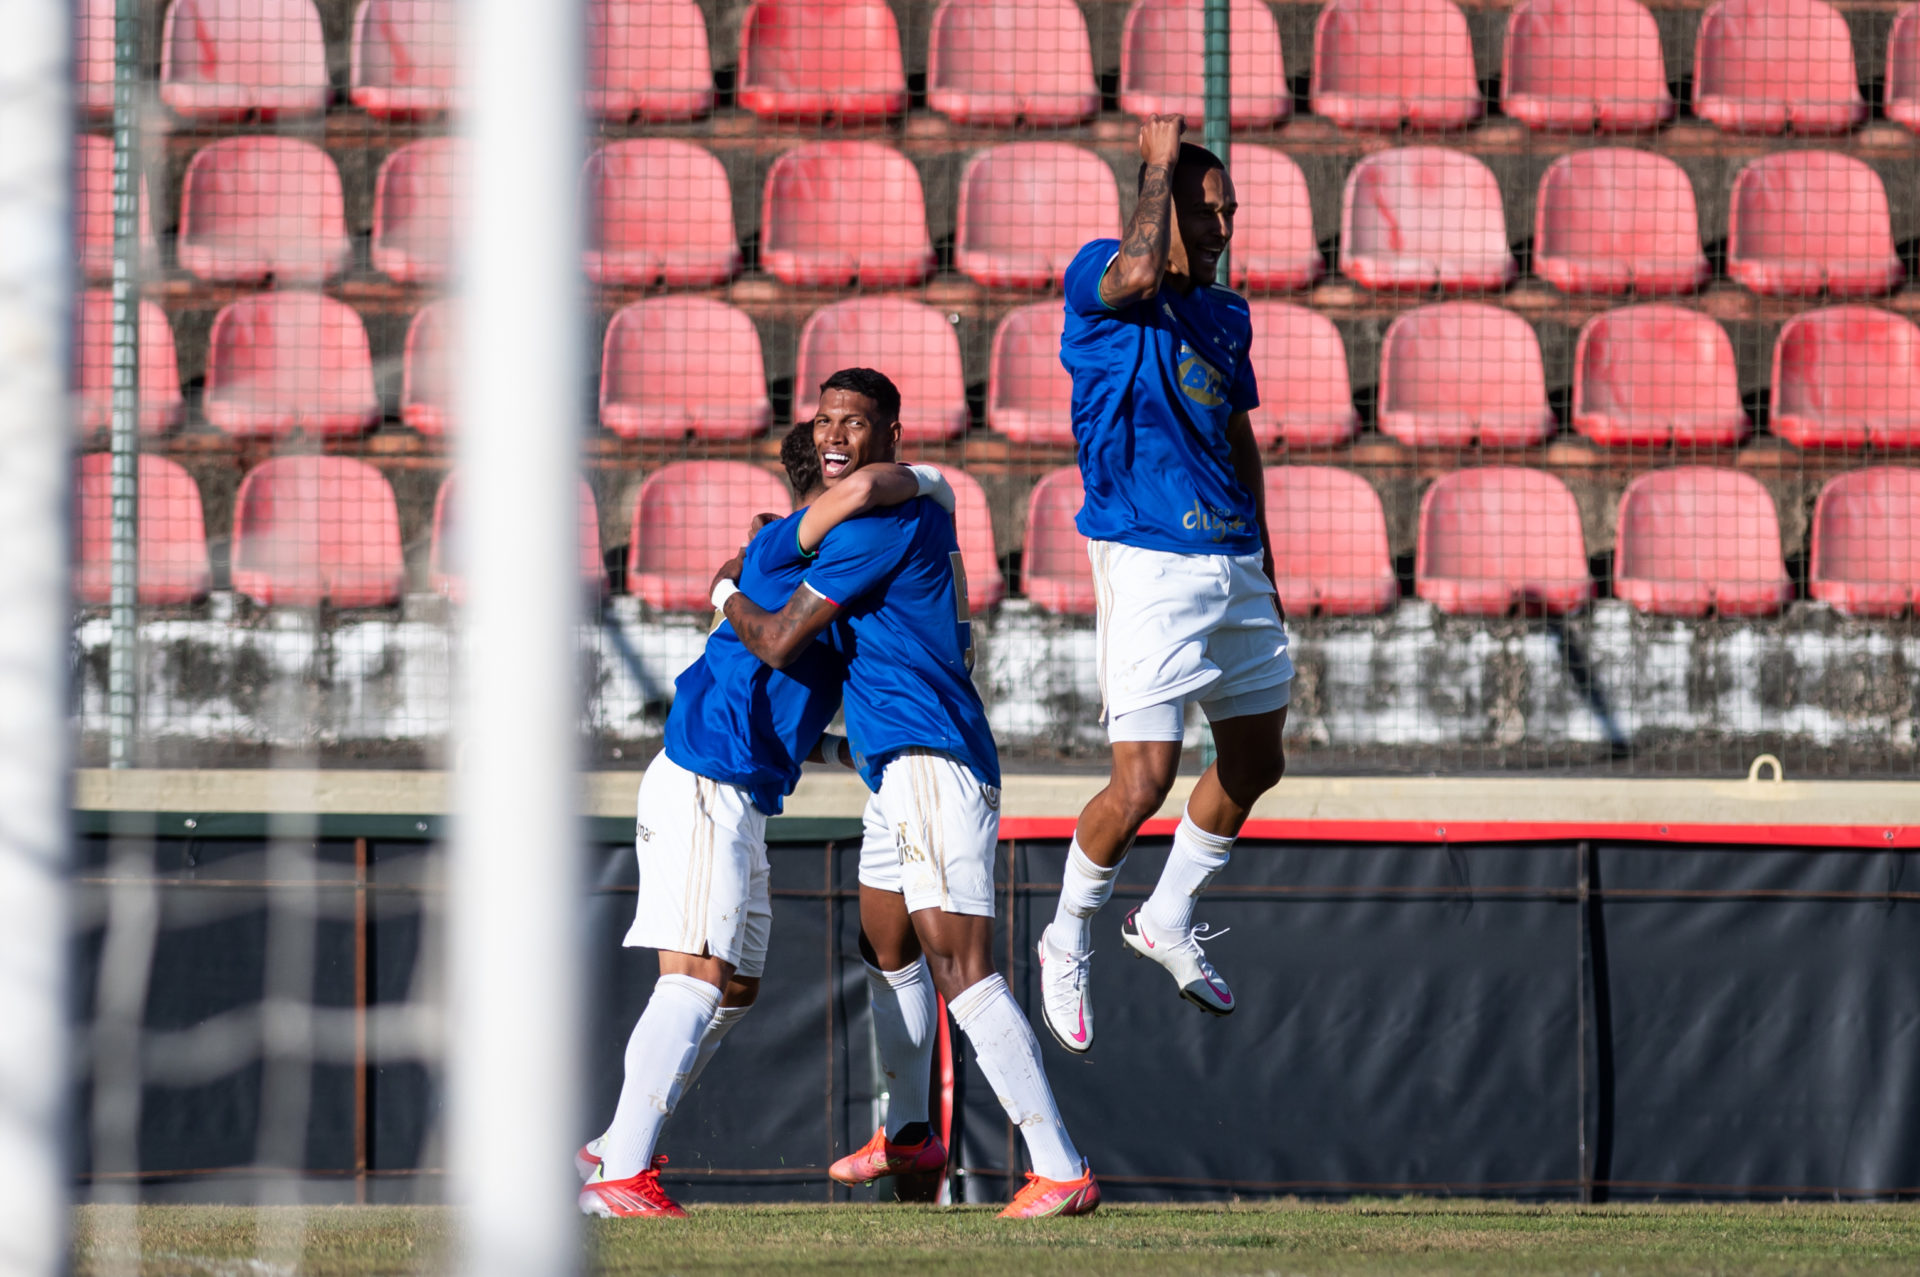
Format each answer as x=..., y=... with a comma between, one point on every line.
x=1191, y=157
x=801, y=460
x=876, y=387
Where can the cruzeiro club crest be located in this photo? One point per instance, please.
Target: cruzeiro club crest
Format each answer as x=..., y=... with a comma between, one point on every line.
x=1200, y=381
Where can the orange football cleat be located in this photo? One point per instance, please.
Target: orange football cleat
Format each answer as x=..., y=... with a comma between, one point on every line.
x=879, y=1159
x=628, y=1198
x=1043, y=1197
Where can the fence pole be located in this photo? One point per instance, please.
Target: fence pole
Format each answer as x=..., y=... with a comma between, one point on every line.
x=1214, y=136
x=124, y=492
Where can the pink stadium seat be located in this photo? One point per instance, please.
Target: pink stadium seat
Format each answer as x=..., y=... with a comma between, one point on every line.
x=1273, y=243
x=93, y=56
x=809, y=59
x=93, y=208
x=1846, y=377
x=1576, y=65
x=228, y=59
x=1762, y=65
x=678, y=366
x=1424, y=217
x=648, y=58
x=443, y=576
x=1612, y=220
x=973, y=525
x=1329, y=536
x=1162, y=48
x=171, y=533
x=404, y=58
x=911, y=343
x=1029, y=395
x=1903, y=69
x=426, y=398
x=1025, y=209
x=1055, y=570
x=1456, y=372
x=660, y=211
x=1804, y=221
x=806, y=237
x=258, y=208
x=1866, y=542
x=1654, y=375
x=1379, y=62
x=1499, y=538
x=690, y=517
x=280, y=362
x=160, y=404
x=1301, y=366
x=308, y=530
x=413, y=211
x=994, y=63
x=1695, y=539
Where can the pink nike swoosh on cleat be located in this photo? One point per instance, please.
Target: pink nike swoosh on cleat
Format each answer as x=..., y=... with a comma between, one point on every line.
x=1080, y=1033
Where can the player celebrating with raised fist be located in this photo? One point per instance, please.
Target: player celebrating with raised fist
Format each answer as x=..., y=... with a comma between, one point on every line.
x=1175, y=514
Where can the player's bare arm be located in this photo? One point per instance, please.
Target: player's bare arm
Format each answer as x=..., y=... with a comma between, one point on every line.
x=1252, y=474
x=1136, y=271
x=867, y=489
x=777, y=638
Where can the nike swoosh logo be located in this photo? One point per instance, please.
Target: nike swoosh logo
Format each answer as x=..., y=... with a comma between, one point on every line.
x=1080, y=1034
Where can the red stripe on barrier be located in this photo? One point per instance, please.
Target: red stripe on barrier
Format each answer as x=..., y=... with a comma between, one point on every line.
x=1859, y=837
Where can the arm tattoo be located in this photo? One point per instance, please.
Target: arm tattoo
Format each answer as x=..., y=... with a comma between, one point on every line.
x=778, y=637
x=1147, y=230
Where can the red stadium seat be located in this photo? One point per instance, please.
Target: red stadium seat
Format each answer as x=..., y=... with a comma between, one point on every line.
x=1499, y=538
x=413, y=211
x=1424, y=217
x=443, y=576
x=1762, y=65
x=426, y=398
x=1657, y=374
x=1054, y=569
x=1273, y=243
x=806, y=237
x=280, y=362
x=93, y=208
x=1025, y=209
x=93, y=56
x=1866, y=542
x=171, y=533
x=228, y=59
x=1329, y=535
x=1577, y=65
x=1379, y=62
x=1029, y=393
x=973, y=525
x=160, y=404
x=1846, y=377
x=993, y=63
x=1695, y=539
x=1300, y=364
x=1456, y=372
x=660, y=212
x=648, y=58
x=911, y=343
x=690, y=517
x=1805, y=221
x=258, y=208
x=312, y=530
x=810, y=59
x=678, y=366
x=1903, y=68
x=1163, y=45
x=404, y=58
x=1611, y=220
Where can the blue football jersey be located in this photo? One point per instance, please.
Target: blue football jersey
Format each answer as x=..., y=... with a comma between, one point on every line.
x=737, y=720
x=897, y=577
x=1153, y=386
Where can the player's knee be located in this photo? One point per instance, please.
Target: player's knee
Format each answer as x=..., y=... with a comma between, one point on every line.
x=1141, y=793
x=1248, y=775
x=741, y=991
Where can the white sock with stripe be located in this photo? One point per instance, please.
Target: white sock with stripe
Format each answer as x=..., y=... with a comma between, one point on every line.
x=1196, y=857
x=1009, y=1054
x=660, y=1058
x=903, y=1030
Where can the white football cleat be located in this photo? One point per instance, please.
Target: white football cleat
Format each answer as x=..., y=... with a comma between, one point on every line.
x=1066, y=1001
x=1183, y=957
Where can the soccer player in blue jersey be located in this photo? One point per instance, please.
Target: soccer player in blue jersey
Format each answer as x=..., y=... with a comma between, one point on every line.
x=1176, y=517
x=736, y=737
x=893, y=585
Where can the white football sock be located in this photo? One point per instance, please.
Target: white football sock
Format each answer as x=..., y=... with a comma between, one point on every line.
x=1196, y=857
x=717, y=1029
x=1084, y=887
x=660, y=1055
x=903, y=1028
x=1009, y=1054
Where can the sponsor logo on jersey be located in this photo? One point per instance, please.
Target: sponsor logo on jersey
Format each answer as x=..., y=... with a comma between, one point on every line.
x=1216, y=524
x=1200, y=381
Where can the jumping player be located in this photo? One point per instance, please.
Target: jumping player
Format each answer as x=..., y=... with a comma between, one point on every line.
x=736, y=737
x=1176, y=517
x=895, y=582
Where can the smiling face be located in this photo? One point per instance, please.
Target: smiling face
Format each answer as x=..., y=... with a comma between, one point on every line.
x=848, y=434
x=1203, y=209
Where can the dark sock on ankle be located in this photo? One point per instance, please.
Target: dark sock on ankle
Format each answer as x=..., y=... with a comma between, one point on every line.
x=911, y=1133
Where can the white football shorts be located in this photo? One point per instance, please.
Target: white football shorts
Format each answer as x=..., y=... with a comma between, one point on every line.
x=931, y=834
x=1175, y=628
x=702, y=846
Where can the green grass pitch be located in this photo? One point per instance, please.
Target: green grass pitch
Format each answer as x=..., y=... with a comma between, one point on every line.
x=1285, y=1237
